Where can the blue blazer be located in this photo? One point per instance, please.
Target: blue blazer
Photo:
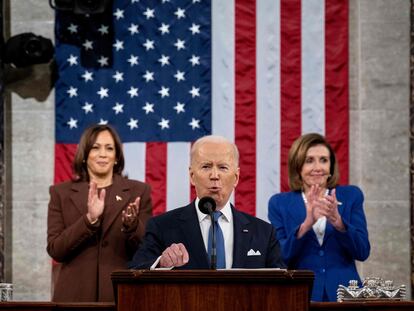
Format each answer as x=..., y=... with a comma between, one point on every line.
x=334, y=261
x=181, y=226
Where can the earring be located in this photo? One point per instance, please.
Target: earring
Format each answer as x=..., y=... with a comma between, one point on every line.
x=116, y=162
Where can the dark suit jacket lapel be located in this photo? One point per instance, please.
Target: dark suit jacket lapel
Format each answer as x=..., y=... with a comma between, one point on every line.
x=119, y=198
x=242, y=236
x=192, y=238
x=79, y=196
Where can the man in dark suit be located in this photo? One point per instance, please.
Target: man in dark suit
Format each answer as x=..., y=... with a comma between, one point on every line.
x=180, y=238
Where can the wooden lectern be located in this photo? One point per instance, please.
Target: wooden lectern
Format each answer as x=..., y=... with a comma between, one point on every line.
x=238, y=289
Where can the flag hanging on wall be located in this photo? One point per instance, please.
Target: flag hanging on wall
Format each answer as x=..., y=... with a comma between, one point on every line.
x=166, y=72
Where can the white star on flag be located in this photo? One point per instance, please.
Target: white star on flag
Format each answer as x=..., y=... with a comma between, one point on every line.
x=133, y=123
x=104, y=30
x=103, y=61
x=148, y=76
x=133, y=92
x=87, y=107
x=179, y=107
x=180, y=13
x=118, y=108
x=195, y=60
x=103, y=92
x=164, y=28
x=73, y=92
x=164, y=92
x=119, y=14
x=164, y=60
x=195, y=92
x=149, y=13
x=87, y=76
x=88, y=45
x=73, y=60
x=164, y=123
x=118, y=45
x=73, y=123
x=179, y=76
x=148, y=108
x=133, y=29
x=194, y=29
x=118, y=76
x=73, y=28
x=194, y=123
x=133, y=60
x=179, y=44
x=149, y=45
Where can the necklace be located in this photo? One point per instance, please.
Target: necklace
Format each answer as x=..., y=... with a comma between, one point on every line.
x=305, y=200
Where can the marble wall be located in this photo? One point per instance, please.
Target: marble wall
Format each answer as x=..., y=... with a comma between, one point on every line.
x=379, y=97
x=30, y=128
x=380, y=123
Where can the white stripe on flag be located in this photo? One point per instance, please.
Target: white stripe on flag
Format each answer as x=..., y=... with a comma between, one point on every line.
x=134, y=154
x=313, y=69
x=178, y=180
x=223, y=68
x=268, y=104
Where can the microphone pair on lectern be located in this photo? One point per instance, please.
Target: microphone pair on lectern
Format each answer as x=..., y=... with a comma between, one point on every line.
x=207, y=205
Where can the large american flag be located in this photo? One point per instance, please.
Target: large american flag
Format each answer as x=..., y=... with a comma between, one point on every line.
x=165, y=72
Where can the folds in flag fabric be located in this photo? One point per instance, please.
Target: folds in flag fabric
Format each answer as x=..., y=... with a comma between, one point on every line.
x=166, y=72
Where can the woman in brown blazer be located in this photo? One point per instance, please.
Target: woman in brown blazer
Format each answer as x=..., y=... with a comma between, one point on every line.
x=97, y=220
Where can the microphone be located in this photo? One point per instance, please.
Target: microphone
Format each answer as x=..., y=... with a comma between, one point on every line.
x=207, y=205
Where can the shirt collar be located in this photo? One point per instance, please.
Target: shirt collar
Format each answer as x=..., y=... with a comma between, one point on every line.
x=226, y=211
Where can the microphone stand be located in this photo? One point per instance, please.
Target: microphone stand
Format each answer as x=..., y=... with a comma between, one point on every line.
x=213, y=259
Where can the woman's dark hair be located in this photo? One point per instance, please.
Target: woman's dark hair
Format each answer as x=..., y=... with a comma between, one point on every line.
x=297, y=157
x=86, y=142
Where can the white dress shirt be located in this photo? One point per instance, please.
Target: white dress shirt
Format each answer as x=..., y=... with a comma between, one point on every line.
x=226, y=225
x=319, y=228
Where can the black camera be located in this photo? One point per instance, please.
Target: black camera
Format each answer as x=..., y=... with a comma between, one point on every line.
x=27, y=49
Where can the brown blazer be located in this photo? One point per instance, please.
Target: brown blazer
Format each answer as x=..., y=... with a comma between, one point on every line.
x=89, y=254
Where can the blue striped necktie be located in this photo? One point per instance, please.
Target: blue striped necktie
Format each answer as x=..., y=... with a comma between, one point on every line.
x=221, y=254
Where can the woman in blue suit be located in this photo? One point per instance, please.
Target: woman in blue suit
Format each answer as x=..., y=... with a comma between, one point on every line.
x=321, y=226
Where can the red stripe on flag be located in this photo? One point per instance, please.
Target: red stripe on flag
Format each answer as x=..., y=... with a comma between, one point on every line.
x=290, y=86
x=64, y=155
x=245, y=97
x=336, y=82
x=156, y=175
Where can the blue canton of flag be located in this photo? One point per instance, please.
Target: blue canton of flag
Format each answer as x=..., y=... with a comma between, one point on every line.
x=144, y=67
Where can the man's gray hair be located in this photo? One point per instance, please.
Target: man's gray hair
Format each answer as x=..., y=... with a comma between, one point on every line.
x=214, y=139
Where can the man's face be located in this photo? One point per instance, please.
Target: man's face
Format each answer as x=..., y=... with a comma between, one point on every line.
x=214, y=171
